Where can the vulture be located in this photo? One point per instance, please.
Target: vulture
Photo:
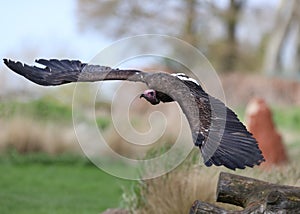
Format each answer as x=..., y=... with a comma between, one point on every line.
x=216, y=130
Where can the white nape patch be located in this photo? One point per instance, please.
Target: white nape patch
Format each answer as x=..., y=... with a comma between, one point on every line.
x=184, y=77
x=39, y=65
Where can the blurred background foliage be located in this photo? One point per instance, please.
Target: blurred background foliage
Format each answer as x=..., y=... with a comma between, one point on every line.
x=235, y=35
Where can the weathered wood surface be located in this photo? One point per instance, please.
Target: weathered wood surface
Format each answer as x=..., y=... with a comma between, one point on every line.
x=253, y=195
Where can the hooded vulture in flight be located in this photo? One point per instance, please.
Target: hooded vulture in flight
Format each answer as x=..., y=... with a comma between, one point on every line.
x=216, y=130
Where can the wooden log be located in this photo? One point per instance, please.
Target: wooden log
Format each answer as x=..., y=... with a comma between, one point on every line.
x=253, y=195
x=200, y=207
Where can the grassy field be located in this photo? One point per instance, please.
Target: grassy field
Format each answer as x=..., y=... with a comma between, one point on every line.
x=39, y=183
x=42, y=178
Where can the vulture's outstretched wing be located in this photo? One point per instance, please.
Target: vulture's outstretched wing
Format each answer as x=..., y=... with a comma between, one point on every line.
x=58, y=72
x=216, y=130
x=223, y=139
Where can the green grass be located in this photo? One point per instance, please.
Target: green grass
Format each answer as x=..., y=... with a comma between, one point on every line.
x=39, y=183
x=103, y=122
x=47, y=109
x=40, y=109
x=287, y=117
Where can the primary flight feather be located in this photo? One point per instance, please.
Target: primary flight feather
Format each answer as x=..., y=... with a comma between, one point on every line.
x=216, y=130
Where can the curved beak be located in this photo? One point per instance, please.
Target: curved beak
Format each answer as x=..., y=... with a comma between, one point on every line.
x=142, y=95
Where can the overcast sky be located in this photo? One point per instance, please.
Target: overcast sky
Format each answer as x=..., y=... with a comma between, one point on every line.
x=34, y=29
x=47, y=27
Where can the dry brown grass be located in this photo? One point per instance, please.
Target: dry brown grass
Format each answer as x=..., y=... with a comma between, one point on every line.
x=175, y=192
x=27, y=135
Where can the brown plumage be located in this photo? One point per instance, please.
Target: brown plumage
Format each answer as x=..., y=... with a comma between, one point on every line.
x=216, y=130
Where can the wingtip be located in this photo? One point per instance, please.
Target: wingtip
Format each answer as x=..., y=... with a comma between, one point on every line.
x=259, y=162
x=8, y=62
x=5, y=61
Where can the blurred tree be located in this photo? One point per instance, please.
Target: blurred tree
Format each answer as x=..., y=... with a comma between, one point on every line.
x=286, y=30
x=231, y=18
x=211, y=26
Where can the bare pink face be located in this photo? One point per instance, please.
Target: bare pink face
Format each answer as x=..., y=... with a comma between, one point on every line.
x=150, y=96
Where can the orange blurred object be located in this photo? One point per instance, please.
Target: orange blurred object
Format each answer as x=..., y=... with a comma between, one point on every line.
x=260, y=123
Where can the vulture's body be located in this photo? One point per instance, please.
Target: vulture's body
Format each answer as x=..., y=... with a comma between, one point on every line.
x=216, y=130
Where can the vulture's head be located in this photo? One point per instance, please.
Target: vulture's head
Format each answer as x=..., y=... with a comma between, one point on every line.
x=151, y=96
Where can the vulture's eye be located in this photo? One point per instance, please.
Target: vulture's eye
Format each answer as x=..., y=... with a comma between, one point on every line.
x=151, y=93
